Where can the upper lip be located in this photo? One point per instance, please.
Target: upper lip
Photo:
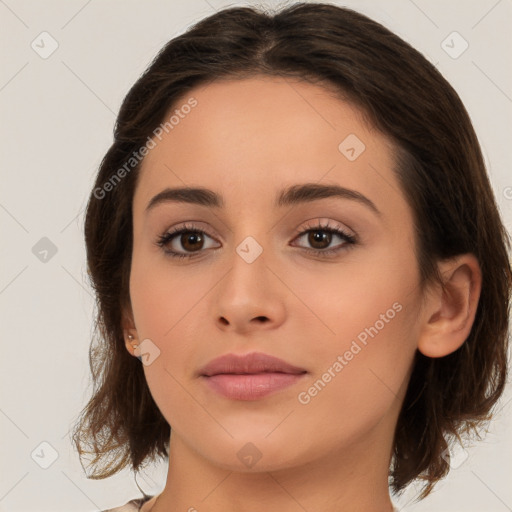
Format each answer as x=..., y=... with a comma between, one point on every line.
x=255, y=362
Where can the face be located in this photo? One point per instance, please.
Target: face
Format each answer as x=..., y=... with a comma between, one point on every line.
x=325, y=281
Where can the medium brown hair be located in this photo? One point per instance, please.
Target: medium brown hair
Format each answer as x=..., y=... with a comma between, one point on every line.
x=439, y=167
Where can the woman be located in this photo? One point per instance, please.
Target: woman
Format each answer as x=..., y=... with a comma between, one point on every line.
x=302, y=275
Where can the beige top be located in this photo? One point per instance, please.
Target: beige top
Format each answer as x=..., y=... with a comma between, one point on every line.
x=132, y=506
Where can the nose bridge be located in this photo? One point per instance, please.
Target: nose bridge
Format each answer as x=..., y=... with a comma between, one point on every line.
x=247, y=262
x=250, y=236
x=249, y=291
x=254, y=241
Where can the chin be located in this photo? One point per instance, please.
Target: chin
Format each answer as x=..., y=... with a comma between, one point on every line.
x=250, y=453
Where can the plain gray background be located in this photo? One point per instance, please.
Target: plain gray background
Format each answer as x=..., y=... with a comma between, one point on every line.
x=57, y=118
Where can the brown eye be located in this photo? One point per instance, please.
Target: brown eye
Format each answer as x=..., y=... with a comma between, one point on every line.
x=183, y=242
x=319, y=239
x=191, y=240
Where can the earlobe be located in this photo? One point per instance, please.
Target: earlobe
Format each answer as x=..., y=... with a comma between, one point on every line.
x=132, y=345
x=450, y=312
x=130, y=334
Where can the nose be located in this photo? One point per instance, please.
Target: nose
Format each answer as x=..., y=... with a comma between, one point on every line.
x=249, y=297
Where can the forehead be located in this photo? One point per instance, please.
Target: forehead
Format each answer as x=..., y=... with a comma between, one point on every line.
x=255, y=135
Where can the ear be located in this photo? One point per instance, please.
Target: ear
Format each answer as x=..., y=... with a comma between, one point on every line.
x=449, y=314
x=131, y=340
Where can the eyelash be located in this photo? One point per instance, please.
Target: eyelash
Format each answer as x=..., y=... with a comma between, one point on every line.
x=350, y=240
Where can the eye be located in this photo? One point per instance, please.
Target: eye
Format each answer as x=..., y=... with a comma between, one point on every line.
x=321, y=236
x=190, y=238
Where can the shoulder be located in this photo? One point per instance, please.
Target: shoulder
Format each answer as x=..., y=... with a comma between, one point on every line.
x=131, y=506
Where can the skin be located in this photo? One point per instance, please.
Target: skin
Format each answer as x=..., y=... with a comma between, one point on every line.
x=246, y=140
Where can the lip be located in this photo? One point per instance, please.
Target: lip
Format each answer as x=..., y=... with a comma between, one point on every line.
x=250, y=376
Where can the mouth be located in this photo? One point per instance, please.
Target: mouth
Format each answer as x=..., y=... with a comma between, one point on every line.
x=250, y=376
x=248, y=364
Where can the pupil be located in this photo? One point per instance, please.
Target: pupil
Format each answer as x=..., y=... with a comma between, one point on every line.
x=319, y=237
x=192, y=238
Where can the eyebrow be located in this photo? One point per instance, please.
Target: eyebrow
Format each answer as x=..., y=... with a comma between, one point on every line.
x=296, y=194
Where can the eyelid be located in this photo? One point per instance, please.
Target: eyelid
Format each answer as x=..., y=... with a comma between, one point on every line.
x=324, y=223
x=191, y=225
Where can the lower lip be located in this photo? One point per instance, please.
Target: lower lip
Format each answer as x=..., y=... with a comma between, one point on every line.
x=250, y=386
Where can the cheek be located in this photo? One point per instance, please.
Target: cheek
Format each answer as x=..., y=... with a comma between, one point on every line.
x=160, y=303
x=166, y=302
x=365, y=297
x=163, y=297
x=362, y=362
x=359, y=378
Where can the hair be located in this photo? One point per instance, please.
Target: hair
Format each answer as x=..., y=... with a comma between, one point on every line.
x=442, y=176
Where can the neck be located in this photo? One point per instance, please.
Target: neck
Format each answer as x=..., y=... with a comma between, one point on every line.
x=353, y=480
